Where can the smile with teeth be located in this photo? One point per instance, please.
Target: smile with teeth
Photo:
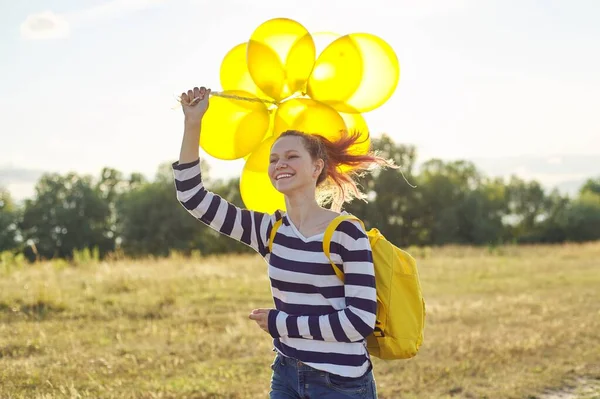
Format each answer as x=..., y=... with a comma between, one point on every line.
x=283, y=176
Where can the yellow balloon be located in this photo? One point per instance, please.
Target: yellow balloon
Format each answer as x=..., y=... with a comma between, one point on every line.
x=269, y=133
x=258, y=193
x=308, y=116
x=272, y=113
x=258, y=161
x=323, y=40
x=234, y=74
x=356, y=73
x=357, y=123
x=280, y=57
x=233, y=128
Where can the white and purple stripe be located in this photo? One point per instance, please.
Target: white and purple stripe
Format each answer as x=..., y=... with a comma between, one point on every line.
x=318, y=319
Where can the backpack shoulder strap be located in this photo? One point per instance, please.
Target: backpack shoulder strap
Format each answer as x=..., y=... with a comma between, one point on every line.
x=327, y=240
x=274, y=229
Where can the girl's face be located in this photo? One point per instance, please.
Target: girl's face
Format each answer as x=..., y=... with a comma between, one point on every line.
x=291, y=168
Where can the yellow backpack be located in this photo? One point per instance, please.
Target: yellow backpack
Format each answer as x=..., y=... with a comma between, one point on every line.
x=400, y=320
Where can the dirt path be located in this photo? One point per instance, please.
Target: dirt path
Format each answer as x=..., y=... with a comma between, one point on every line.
x=581, y=389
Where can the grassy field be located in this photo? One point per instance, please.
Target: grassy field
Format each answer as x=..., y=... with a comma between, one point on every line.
x=502, y=323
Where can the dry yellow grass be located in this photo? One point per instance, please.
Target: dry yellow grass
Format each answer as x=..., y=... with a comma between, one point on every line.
x=504, y=323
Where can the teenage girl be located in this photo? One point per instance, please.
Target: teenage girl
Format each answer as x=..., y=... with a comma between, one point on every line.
x=320, y=324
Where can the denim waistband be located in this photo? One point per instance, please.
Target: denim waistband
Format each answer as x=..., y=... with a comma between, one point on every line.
x=290, y=361
x=301, y=366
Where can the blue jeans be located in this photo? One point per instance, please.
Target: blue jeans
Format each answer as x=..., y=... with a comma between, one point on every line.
x=295, y=380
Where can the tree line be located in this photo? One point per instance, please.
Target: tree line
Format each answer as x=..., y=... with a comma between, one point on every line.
x=452, y=203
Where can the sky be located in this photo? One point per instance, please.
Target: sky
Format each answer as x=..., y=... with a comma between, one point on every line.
x=88, y=84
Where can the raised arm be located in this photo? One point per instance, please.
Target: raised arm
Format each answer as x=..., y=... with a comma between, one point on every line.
x=249, y=227
x=357, y=320
x=194, y=104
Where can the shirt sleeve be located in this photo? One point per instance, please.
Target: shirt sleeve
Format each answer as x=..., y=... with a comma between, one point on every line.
x=249, y=227
x=357, y=319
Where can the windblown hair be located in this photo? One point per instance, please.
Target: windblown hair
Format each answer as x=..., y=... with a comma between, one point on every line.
x=342, y=165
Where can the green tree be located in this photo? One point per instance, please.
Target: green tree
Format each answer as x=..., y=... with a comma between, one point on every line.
x=528, y=206
x=583, y=218
x=552, y=227
x=591, y=186
x=448, y=188
x=110, y=184
x=480, y=213
x=8, y=221
x=66, y=214
x=152, y=221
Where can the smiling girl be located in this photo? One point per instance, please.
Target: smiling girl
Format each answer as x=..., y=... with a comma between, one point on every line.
x=319, y=324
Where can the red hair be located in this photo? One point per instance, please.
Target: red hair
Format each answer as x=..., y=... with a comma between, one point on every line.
x=336, y=182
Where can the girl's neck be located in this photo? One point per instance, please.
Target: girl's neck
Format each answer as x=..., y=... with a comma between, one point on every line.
x=303, y=208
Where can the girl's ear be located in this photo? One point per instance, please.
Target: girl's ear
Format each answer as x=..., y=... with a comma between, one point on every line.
x=318, y=168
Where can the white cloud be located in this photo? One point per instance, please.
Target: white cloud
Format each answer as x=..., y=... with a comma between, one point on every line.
x=49, y=25
x=45, y=25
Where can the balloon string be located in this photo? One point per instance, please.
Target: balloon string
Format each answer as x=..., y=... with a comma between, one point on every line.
x=251, y=99
x=236, y=97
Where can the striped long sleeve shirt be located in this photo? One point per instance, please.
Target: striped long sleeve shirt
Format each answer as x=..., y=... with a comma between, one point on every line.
x=318, y=320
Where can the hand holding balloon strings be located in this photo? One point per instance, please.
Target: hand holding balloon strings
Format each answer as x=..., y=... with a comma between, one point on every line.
x=195, y=104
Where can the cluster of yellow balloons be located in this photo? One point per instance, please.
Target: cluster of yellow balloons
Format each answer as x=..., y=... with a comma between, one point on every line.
x=287, y=78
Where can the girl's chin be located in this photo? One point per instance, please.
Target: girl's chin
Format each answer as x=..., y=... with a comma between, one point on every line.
x=285, y=185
